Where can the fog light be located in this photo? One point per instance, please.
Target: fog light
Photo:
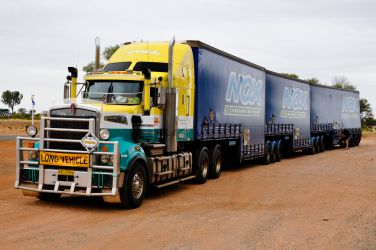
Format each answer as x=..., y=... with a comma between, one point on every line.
x=104, y=134
x=31, y=130
x=105, y=159
x=33, y=155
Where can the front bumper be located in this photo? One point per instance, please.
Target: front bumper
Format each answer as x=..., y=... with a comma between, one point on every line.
x=95, y=180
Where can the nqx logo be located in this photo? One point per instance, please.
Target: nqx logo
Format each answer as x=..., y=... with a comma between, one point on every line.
x=350, y=104
x=244, y=89
x=295, y=99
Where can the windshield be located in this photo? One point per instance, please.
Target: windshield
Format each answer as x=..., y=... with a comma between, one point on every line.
x=116, y=92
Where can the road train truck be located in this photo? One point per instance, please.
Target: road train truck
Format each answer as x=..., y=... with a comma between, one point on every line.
x=160, y=113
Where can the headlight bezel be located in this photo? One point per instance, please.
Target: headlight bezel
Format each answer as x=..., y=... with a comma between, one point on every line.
x=104, y=159
x=31, y=130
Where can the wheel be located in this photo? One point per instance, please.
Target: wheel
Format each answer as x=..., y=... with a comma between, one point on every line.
x=279, y=151
x=314, y=146
x=216, y=162
x=273, y=153
x=133, y=191
x=267, y=156
x=48, y=196
x=317, y=145
x=322, y=143
x=202, y=166
x=357, y=140
x=351, y=141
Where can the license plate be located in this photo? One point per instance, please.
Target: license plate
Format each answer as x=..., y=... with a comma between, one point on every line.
x=65, y=160
x=66, y=172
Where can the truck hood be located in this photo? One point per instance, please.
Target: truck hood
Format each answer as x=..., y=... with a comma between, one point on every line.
x=97, y=106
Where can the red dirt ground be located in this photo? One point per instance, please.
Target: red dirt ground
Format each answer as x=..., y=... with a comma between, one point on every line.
x=320, y=201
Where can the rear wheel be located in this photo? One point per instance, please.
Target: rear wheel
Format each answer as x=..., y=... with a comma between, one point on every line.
x=357, y=140
x=202, y=166
x=273, y=153
x=314, y=146
x=216, y=162
x=279, y=151
x=133, y=192
x=322, y=143
x=267, y=156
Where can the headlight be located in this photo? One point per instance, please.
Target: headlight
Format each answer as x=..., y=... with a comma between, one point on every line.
x=31, y=130
x=105, y=159
x=104, y=134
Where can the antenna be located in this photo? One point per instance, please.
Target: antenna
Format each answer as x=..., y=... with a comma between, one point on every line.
x=147, y=52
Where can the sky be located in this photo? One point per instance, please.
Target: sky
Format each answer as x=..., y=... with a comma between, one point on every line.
x=322, y=38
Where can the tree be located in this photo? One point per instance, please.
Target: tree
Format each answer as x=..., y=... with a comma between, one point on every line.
x=313, y=81
x=109, y=51
x=11, y=98
x=290, y=75
x=341, y=82
x=22, y=111
x=366, y=114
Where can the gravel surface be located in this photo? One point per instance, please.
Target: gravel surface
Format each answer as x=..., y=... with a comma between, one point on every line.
x=324, y=201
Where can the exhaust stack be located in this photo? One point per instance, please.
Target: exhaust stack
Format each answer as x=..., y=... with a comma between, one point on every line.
x=97, y=64
x=171, y=105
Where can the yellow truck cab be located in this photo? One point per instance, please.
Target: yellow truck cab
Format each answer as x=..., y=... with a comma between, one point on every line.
x=110, y=139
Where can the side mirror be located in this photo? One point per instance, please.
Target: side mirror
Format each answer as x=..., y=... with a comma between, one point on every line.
x=147, y=73
x=66, y=90
x=161, y=97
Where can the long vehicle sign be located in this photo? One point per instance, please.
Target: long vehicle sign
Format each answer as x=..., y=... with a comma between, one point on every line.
x=66, y=160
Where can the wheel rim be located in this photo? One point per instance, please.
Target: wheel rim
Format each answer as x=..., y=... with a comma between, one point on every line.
x=218, y=165
x=205, y=166
x=137, y=185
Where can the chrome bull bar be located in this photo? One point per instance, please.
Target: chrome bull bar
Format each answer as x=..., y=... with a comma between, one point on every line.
x=46, y=178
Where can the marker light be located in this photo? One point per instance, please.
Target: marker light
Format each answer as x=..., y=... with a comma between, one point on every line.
x=104, y=134
x=33, y=155
x=31, y=130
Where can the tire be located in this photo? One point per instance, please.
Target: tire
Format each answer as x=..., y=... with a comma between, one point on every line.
x=215, y=162
x=48, y=196
x=279, y=151
x=314, y=146
x=317, y=145
x=273, y=153
x=351, y=141
x=357, y=141
x=133, y=192
x=322, y=143
x=267, y=156
x=202, y=163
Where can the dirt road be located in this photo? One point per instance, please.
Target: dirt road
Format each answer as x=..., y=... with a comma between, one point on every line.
x=322, y=201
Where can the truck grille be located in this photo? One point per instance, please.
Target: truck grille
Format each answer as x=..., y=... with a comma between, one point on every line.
x=69, y=127
x=71, y=124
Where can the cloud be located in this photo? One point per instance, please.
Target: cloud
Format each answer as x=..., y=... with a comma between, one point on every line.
x=40, y=39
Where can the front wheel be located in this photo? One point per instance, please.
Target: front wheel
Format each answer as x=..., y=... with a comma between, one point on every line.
x=133, y=191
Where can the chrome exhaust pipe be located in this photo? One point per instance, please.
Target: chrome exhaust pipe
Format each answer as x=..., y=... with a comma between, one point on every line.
x=171, y=104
